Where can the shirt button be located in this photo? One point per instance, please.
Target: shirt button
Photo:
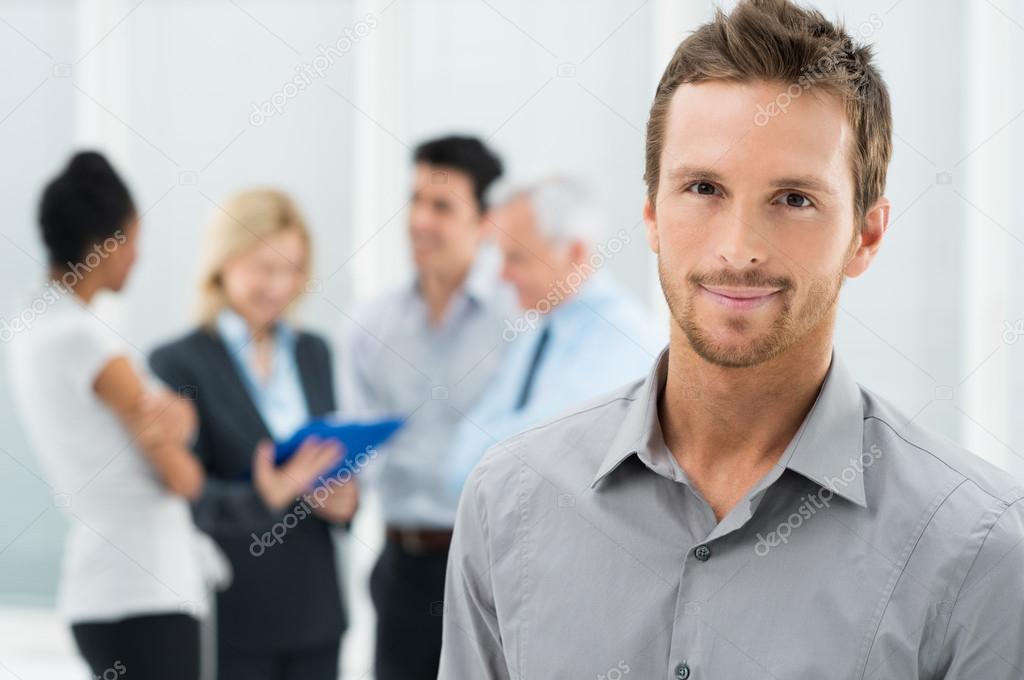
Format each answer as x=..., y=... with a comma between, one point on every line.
x=702, y=552
x=682, y=671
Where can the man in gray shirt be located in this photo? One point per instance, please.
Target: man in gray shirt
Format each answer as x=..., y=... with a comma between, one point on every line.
x=426, y=352
x=748, y=510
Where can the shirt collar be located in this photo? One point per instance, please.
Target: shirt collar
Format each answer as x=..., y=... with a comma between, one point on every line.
x=827, y=448
x=482, y=279
x=235, y=331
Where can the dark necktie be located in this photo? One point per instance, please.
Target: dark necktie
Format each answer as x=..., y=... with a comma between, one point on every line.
x=531, y=374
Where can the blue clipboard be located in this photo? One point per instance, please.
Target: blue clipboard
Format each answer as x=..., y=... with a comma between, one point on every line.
x=360, y=440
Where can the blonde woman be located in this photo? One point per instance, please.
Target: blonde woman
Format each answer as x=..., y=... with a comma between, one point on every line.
x=255, y=376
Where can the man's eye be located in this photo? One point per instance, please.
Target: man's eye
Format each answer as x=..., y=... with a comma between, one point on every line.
x=797, y=201
x=705, y=188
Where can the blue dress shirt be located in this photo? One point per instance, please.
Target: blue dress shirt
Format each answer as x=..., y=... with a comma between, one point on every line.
x=397, y=363
x=597, y=340
x=279, y=399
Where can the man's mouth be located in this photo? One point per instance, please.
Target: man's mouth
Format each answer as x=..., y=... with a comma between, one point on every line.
x=740, y=298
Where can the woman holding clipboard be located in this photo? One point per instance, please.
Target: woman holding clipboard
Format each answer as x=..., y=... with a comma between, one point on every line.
x=255, y=377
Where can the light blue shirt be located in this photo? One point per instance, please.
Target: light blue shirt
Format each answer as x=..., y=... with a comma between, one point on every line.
x=279, y=399
x=396, y=362
x=599, y=339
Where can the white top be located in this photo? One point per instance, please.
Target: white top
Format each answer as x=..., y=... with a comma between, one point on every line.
x=131, y=548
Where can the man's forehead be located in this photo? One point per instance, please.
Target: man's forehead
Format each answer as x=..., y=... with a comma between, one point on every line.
x=514, y=220
x=746, y=97
x=715, y=125
x=516, y=208
x=443, y=178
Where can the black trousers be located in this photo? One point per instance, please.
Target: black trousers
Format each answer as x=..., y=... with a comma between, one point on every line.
x=319, y=662
x=152, y=647
x=408, y=592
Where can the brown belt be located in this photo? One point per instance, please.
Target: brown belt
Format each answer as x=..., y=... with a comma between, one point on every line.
x=420, y=540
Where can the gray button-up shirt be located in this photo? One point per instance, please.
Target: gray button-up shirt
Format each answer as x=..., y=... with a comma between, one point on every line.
x=873, y=549
x=396, y=362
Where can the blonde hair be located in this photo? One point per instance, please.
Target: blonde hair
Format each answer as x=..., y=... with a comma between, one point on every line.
x=241, y=223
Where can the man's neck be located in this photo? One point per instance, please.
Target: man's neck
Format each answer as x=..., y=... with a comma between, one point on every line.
x=438, y=289
x=563, y=293
x=728, y=426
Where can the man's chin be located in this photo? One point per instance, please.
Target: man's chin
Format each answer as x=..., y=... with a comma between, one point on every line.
x=421, y=260
x=732, y=349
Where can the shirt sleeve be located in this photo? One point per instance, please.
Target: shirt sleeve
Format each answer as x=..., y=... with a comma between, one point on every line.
x=88, y=351
x=471, y=641
x=986, y=627
x=225, y=508
x=468, y=445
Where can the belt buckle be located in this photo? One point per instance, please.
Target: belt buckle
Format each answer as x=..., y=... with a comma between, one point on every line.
x=411, y=541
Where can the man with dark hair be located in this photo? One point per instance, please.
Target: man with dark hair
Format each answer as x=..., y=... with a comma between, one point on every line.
x=466, y=154
x=748, y=510
x=427, y=351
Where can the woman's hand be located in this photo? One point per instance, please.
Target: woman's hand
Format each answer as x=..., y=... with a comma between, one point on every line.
x=340, y=503
x=280, y=486
x=165, y=418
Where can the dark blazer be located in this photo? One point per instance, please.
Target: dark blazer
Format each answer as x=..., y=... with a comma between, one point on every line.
x=285, y=595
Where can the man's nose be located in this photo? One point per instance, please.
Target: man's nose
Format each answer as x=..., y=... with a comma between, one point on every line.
x=740, y=244
x=419, y=218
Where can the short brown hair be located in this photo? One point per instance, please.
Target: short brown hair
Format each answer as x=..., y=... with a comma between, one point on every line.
x=776, y=40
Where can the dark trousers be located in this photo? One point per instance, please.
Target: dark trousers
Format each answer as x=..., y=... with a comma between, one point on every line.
x=318, y=662
x=153, y=647
x=408, y=592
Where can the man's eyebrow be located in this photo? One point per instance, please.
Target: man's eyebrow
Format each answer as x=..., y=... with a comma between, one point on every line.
x=808, y=182
x=683, y=173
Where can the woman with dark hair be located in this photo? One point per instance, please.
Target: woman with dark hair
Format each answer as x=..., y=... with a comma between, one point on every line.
x=115, y=448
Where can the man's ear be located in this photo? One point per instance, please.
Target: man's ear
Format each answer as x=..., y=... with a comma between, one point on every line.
x=651, y=226
x=869, y=239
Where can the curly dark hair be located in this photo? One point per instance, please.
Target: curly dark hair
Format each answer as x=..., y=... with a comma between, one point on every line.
x=86, y=203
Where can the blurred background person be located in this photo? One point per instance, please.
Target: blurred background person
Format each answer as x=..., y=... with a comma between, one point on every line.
x=254, y=377
x=427, y=351
x=577, y=336
x=114, y=448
